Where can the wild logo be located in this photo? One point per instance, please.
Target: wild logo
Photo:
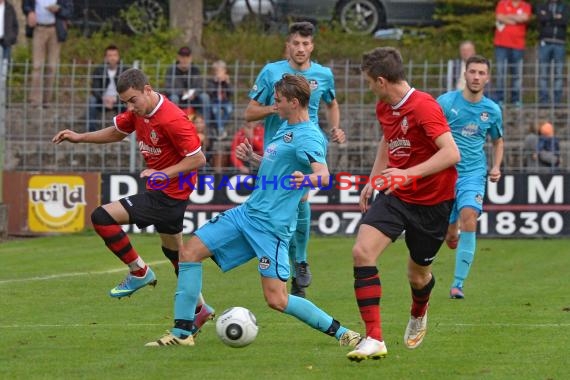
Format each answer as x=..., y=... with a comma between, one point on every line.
x=56, y=203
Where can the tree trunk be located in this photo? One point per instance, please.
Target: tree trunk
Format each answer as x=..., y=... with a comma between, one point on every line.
x=188, y=17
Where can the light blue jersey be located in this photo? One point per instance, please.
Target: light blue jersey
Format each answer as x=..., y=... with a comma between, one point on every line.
x=470, y=124
x=321, y=81
x=273, y=205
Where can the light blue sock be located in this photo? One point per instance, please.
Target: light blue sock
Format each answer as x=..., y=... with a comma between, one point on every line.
x=308, y=312
x=464, y=257
x=303, y=231
x=187, y=294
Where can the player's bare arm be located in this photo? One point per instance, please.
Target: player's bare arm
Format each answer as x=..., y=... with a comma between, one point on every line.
x=498, y=149
x=245, y=153
x=446, y=156
x=380, y=163
x=256, y=111
x=187, y=164
x=320, y=177
x=103, y=136
x=333, y=119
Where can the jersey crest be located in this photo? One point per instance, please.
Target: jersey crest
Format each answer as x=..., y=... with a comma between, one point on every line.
x=404, y=125
x=153, y=137
x=288, y=137
x=313, y=84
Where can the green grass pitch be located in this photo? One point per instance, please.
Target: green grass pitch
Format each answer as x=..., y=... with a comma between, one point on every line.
x=57, y=321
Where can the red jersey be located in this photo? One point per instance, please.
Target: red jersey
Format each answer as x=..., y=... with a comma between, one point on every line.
x=410, y=129
x=164, y=137
x=511, y=36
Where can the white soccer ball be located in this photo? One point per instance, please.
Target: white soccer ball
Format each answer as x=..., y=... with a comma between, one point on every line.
x=236, y=327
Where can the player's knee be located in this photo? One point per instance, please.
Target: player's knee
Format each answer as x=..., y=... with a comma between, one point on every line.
x=276, y=300
x=193, y=251
x=360, y=255
x=101, y=217
x=419, y=279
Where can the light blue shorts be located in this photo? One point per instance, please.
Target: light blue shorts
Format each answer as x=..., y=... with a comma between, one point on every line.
x=234, y=240
x=469, y=192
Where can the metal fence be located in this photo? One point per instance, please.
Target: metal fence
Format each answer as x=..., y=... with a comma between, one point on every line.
x=26, y=132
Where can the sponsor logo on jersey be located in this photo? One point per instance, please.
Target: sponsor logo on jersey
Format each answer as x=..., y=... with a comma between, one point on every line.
x=271, y=150
x=56, y=203
x=470, y=130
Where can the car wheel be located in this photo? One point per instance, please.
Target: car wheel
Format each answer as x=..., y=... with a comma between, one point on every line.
x=144, y=16
x=361, y=16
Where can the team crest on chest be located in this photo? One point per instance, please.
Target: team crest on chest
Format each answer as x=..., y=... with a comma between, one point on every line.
x=288, y=137
x=404, y=125
x=313, y=84
x=484, y=116
x=153, y=137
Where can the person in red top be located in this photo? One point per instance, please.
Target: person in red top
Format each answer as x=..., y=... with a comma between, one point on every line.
x=414, y=168
x=171, y=149
x=511, y=17
x=253, y=132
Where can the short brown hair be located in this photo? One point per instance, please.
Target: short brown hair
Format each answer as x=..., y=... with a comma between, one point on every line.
x=385, y=62
x=132, y=78
x=478, y=59
x=293, y=86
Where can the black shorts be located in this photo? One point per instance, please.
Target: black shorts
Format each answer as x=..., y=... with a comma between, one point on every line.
x=425, y=226
x=156, y=208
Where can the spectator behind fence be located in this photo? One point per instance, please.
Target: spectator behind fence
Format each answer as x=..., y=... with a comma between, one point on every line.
x=466, y=50
x=220, y=92
x=529, y=147
x=201, y=130
x=46, y=24
x=510, y=40
x=8, y=28
x=548, y=150
x=252, y=131
x=184, y=85
x=104, y=97
x=552, y=17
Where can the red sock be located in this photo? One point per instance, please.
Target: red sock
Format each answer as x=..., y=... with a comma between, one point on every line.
x=118, y=242
x=368, y=291
x=420, y=299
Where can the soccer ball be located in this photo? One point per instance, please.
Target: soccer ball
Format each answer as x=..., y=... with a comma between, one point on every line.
x=236, y=327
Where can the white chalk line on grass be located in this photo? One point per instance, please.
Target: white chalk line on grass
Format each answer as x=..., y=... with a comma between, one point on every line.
x=71, y=274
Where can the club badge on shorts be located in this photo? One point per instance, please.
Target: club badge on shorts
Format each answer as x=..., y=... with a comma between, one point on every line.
x=264, y=263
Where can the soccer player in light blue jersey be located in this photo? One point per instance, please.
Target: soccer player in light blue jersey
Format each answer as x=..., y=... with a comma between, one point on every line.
x=472, y=117
x=262, y=227
x=299, y=47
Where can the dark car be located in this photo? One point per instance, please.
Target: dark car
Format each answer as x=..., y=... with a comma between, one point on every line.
x=135, y=16
x=354, y=16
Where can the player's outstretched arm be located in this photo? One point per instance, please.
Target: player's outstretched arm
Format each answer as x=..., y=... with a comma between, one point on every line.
x=103, y=136
x=256, y=111
x=320, y=177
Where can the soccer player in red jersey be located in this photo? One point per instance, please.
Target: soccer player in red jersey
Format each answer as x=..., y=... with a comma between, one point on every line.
x=171, y=149
x=416, y=156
